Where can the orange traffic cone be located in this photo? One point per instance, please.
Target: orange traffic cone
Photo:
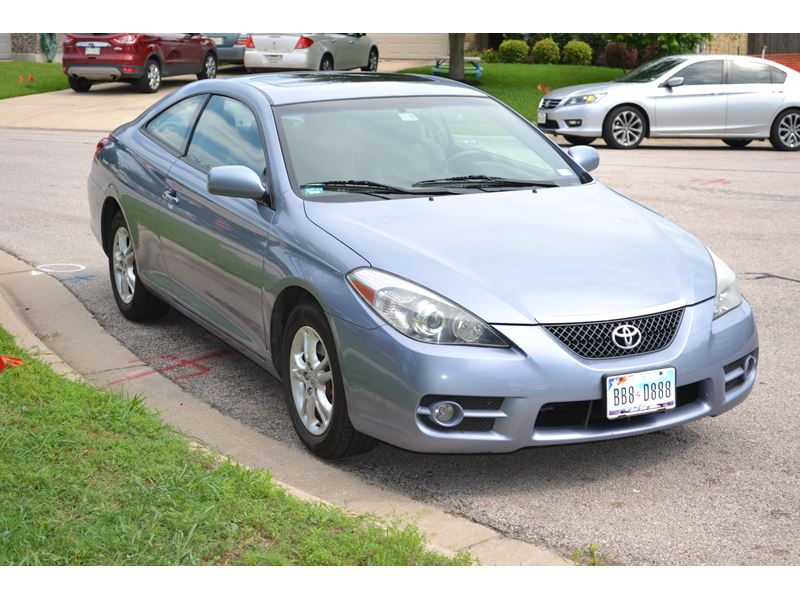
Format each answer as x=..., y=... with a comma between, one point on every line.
x=30, y=78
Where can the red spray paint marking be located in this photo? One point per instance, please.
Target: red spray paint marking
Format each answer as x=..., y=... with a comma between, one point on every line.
x=177, y=363
x=700, y=181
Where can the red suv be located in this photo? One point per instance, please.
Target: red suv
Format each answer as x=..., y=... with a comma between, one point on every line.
x=139, y=58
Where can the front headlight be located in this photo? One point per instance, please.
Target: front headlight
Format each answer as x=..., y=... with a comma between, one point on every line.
x=585, y=99
x=728, y=294
x=419, y=313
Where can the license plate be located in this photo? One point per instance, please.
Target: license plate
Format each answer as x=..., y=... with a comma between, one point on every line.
x=541, y=117
x=218, y=41
x=273, y=58
x=640, y=393
x=92, y=51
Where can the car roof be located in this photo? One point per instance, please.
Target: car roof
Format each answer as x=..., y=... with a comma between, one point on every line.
x=292, y=88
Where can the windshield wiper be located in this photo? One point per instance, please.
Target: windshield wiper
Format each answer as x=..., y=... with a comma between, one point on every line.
x=482, y=181
x=364, y=186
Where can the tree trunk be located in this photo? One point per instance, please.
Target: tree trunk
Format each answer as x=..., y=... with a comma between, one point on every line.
x=456, y=56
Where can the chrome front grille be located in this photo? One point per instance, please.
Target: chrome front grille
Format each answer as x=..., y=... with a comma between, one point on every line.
x=594, y=340
x=549, y=103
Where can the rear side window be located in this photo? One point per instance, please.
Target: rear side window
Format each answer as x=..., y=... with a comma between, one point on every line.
x=708, y=72
x=227, y=134
x=174, y=124
x=749, y=72
x=776, y=75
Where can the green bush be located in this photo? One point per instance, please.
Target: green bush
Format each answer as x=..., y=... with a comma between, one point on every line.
x=577, y=53
x=513, y=51
x=546, y=52
x=490, y=56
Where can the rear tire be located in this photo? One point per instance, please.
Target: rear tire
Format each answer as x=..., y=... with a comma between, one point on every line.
x=624, y=128
x=150, y=82
x=80, y=84
x=326, y=64
x=737, y=142
x=785, y=132
x=135, y=302
x=209, y=67
x=577, y=140
x=372, y=61
x=313, y=386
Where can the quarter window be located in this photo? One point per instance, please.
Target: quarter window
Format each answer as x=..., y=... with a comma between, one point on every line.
x=227, y=134
x=749, y=72
x=173, y=126
x=708, y=72
x=776, y=75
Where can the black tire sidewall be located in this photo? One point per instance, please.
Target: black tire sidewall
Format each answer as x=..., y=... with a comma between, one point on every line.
x=737, y=142
x=144, y=83
x=774, y=138
x=577, y=140
x=80, y=84
x=326, y=59
x=324, y=445
x=204, y=72
x=608, y=135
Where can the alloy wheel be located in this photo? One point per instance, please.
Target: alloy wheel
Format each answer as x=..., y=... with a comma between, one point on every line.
x=124, y=265
x=311, y=380
x=211, y=67
x=153, y=76
x=327, y=64
x=789, y=130
x=373, y=61
x=627, y=128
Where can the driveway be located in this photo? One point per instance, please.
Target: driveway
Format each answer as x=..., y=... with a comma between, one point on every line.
x=718, y=491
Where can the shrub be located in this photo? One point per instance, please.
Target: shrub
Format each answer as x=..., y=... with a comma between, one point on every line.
x=490, y=56
x=651, y=52
x=577, y=53
x=512, y=51
x=620, y=55
x=546, y=52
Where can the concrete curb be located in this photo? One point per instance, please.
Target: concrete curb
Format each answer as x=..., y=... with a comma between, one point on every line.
x=50, y=323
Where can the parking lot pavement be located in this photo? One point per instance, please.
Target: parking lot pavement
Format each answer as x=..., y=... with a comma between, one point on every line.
x=717, y=491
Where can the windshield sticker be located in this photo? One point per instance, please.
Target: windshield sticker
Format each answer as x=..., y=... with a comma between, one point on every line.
x=407, y=116
x=310, y=191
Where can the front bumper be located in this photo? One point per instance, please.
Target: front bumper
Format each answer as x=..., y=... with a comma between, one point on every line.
x=105, y=72
x=387, y=377
x=561, y=120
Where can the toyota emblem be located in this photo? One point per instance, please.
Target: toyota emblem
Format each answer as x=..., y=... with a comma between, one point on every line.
x=626, y=337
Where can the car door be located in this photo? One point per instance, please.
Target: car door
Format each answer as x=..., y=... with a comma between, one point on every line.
x=755, y=94
x=355, y=49
x=171, y=45
x=214, y=246
x=695, y=108
x=192, y=52
x=339, y=45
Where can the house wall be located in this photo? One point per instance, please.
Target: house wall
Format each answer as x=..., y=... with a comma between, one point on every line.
x=25, y=46
x=5, y=46
x=727, y=43
x=425, y=46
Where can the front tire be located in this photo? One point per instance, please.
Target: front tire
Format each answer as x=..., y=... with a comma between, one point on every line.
x=737, y=142
x=313, y=386
x=577, y=140
x=372, y=62
x=209, y=67
x=326, y=64
x=785, y=132
x=135, y=302
x=150, y=82
x=80, y=84
x=624, y=128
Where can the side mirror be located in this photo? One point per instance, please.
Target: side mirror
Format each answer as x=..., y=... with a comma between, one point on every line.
x=237, y=181
x=674, y=82
x=586, y=156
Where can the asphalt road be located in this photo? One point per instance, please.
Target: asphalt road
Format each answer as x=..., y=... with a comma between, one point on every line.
x=718, y=491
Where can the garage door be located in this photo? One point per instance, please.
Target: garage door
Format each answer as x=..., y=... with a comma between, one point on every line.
x=411, y=45
x=5, y=46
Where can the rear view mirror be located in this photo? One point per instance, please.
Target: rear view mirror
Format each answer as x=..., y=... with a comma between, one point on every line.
x=236, y=181
x=674, y=82
x=586, y=156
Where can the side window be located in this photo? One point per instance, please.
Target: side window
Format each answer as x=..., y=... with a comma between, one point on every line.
x=708, y=72
x=749, y=72
x=174, y=124
x=227, y=134
x=776, y=75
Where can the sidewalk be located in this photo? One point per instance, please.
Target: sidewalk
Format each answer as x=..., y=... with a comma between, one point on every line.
x=108, y=105
x=38, y=308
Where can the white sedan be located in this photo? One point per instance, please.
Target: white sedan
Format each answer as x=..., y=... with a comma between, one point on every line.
x=310, y=51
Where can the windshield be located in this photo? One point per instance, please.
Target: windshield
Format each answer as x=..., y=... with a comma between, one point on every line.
x=652, y=70
x=412, y=143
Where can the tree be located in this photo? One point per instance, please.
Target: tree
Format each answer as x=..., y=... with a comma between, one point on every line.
x=456, y=56
x=662, y=44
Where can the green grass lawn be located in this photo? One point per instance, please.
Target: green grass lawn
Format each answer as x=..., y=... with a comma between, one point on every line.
x=89, y=477
x=47, y=77
x=515, y=84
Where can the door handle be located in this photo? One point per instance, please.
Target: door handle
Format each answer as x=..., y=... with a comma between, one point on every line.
x=171, y=196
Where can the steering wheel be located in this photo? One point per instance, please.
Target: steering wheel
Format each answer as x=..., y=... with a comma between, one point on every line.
x=454, y=158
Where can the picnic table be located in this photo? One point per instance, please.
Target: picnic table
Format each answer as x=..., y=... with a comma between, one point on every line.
x=472, y=66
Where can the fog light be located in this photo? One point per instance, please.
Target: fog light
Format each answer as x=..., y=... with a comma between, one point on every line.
x=574, y=122
x=749, y=367
x=447, y=414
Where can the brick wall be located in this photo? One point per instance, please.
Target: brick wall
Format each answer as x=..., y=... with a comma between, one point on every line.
x=25, y=46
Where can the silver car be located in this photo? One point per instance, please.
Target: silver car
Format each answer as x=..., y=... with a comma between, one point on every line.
x=418, y=264
x=737, y=99
x=310, y=52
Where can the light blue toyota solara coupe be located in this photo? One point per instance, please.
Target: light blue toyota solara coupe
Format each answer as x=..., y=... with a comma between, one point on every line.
x=417, y=264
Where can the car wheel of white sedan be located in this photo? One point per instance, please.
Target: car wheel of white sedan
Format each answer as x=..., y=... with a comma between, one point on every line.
x=785, y=134
x=624, y=127
x=372, y=62
x=314, y=388
x=326, y=64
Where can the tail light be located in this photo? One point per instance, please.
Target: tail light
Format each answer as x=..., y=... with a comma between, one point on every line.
x=69, y=41
x=127, y=39
x=303, y=42
x=100, y=145
x=247, y=42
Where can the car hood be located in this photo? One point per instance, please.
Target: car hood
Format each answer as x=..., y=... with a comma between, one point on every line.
x=588, y=88
x=518, y=257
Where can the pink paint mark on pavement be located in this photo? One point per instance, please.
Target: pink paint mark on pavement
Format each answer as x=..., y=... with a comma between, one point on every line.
x=175, y=362
x=701, y=181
